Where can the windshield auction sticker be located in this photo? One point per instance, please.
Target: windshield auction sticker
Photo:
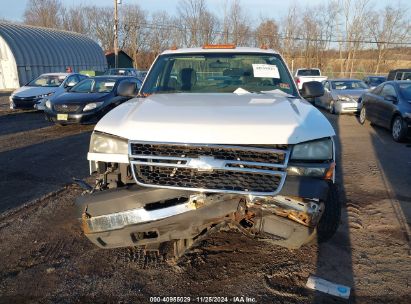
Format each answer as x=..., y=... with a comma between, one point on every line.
x=265, y=71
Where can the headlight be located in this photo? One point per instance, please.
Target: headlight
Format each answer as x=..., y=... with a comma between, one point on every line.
x=306, y=171
x=344, y=98
x=45, y=95
x=105, y=143
x=48, y=104
x=92, y=106
x=313, y=150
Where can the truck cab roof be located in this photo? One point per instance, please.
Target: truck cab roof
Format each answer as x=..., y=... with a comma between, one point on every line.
x=220, y=50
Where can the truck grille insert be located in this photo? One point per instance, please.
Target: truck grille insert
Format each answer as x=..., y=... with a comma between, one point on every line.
x=257, y=170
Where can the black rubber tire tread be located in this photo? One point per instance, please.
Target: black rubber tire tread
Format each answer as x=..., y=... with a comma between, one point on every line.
x=330, y=220
x=365, y=118
x=404, y=129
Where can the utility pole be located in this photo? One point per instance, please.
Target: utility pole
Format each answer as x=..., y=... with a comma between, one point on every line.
x=116, y=33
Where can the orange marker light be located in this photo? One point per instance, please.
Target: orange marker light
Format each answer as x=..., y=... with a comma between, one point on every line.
x=330, y=172
x=219, y=46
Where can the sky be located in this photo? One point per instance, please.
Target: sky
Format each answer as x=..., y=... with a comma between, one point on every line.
x=275, y=9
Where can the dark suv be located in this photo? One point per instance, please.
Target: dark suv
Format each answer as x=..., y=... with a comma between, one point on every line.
x=400, y=74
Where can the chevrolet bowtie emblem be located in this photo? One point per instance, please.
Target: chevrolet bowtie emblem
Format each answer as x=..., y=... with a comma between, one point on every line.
x=206, y=163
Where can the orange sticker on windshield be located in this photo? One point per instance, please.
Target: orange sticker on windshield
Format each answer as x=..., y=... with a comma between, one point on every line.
x=284, y=85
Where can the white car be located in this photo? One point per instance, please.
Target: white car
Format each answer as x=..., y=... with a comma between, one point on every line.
x=342, y=95
x=217, y=135
x=35, y=93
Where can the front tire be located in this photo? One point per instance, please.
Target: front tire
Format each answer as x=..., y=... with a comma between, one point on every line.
x=398, y=129
x=332, y=107
x=330, y=220
x=363, y=115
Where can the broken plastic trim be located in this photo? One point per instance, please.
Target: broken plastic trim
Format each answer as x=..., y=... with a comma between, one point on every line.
x=131, y=217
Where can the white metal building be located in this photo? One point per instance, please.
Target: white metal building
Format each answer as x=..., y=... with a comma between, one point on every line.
x=28, y=51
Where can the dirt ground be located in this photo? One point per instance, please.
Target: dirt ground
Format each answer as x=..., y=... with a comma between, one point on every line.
x=44, y=258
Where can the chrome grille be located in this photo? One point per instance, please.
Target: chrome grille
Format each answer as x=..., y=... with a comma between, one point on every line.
x=257, y=170
x=66, y=108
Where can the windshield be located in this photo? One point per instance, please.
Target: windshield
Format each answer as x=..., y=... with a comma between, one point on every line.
x=309, y=72
x=123, y=72
x=349, y=85
x=376, y=80
x=218, y=73
x=405, y=89
x=94, y=85
x=47, y=81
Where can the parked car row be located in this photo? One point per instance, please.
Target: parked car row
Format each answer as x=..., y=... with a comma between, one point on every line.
x=127, y=72
x=383, y=103
x=72, y=97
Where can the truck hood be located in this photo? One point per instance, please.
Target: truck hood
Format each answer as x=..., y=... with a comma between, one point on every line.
x=217, y=118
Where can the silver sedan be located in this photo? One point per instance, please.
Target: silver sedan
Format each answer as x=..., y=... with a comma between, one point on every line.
x=341, y=95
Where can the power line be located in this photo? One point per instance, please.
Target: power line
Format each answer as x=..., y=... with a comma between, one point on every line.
x=158, y=26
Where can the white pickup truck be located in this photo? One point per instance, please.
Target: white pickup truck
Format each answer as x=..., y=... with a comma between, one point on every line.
x=217, y=136
x=305, y=75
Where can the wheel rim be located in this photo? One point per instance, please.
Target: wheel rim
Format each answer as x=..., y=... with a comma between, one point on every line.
x=396, y=128
x=362, y=115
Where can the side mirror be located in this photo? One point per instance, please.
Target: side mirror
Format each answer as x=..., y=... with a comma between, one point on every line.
x=391, y=98
x=126, y=89
x=312, y=89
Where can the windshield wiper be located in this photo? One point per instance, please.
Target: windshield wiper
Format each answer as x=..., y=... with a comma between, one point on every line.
x=279, y=92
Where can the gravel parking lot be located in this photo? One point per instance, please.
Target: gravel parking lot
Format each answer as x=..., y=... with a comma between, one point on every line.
x=44, y=258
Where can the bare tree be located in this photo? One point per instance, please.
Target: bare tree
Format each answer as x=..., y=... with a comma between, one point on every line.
x=316, y=29
x=326, y=16
x=73, y=19
x=160, y=37
x=196, y=21
x=239, y=27
x=354, y=18
x=290, y=29
x=267, y=34
x=45, y=13
x=386, y=27
x=101, y=25
x=134, y=30
x=309, y=35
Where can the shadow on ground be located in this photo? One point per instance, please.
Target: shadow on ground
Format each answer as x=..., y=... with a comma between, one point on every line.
x=30, y=172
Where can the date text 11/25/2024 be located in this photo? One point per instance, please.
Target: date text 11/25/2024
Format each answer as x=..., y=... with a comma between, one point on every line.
x=236, y=299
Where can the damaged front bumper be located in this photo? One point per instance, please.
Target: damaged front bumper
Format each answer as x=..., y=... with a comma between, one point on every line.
x=136, y=216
